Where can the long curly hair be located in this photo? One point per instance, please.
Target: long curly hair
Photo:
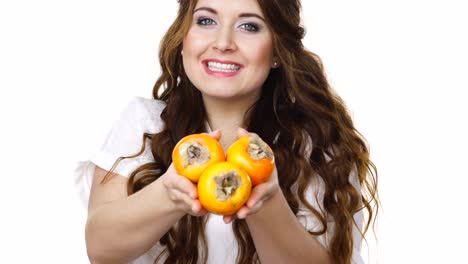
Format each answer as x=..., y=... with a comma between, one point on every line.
x=297, y=106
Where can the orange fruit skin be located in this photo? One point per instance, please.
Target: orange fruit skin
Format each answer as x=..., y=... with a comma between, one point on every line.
x=207, y=189
x=193, y=171
x=258, y=170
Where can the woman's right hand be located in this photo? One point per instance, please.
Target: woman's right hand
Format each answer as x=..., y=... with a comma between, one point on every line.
x=182, y=192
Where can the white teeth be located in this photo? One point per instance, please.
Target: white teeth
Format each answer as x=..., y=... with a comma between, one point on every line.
x=216, y=66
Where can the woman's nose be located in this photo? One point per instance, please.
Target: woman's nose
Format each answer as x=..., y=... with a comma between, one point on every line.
x=225, y=40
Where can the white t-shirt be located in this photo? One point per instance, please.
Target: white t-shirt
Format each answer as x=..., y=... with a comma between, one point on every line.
x=125, y=138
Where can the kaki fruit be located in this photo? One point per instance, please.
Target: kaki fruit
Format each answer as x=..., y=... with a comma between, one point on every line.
x=253, y=155
x=194, y=153
x=223, y=188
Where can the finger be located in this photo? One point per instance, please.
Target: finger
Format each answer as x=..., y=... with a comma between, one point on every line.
x=193, y=206
x=183, y=185
x=255, y=208
x=259, y=192
x=180, y=196
x=214, y=134
x=241, y=132
x=243, y=212
x=198, y=209
x=203, y=211
x=196, y=206
x=229, y=218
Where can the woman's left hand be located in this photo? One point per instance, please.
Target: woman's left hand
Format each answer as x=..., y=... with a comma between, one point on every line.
x=260, y=193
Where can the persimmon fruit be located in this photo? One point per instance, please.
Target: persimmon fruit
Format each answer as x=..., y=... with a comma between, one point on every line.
x=253, y=155
x=223, y=188
x=194, y=153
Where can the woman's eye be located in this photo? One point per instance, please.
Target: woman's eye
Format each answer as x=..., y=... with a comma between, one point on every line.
x=205, y=21
x=250, y=27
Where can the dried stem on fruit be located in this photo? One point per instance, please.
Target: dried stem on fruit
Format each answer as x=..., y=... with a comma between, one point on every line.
x=226, y=185
x=258, y=149
x=194, y=153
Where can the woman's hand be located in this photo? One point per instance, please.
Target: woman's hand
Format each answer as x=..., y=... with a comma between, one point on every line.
x=260, y=193
x=182, y=192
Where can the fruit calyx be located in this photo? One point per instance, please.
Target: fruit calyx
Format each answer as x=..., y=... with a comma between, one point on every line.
x=258, y=149
x=194, y=153
x=227, y=184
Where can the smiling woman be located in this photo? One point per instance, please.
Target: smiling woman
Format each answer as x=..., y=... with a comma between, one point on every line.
x=234, y=47
x=233, y=69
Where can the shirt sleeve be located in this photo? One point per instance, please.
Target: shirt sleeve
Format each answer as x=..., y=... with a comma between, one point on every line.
x=125, y=138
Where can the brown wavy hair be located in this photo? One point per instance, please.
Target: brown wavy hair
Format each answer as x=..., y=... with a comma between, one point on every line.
x=296, y=105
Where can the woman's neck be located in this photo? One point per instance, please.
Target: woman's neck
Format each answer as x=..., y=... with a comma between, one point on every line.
x=226, y=116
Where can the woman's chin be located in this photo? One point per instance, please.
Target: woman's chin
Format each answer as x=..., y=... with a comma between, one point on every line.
x=228, y=97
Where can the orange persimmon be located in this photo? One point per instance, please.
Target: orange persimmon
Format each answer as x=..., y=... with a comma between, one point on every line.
x=253, y=155
x=194, y=153
x=223, y=188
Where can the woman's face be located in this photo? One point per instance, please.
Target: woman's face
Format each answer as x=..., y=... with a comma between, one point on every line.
x=227, y=53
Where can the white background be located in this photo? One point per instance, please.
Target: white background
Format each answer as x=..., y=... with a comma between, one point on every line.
x=67, y=68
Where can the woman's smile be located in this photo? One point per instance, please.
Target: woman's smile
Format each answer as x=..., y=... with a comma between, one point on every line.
x=222, y=68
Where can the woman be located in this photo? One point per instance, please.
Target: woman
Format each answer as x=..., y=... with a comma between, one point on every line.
x=238, y=67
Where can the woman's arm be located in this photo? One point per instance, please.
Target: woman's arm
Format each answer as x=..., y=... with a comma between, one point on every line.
x=277, y=234
x=280, y=238
x=120, y=228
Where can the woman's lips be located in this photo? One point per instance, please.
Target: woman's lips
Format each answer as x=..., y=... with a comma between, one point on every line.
x=221, y=68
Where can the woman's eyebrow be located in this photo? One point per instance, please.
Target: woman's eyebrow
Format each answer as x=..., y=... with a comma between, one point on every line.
x=211, y=10
x=252, y=15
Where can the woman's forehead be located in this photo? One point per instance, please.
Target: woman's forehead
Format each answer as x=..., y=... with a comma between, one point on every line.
x=231, y=6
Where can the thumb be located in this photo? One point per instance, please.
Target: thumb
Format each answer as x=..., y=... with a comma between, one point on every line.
x=241, y=132
x=215, y=134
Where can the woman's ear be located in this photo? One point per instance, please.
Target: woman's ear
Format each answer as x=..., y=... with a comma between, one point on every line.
x=275, y=64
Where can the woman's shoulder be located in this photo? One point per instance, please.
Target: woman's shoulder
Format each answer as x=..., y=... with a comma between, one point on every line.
x=146, y=105
x=143, y=115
